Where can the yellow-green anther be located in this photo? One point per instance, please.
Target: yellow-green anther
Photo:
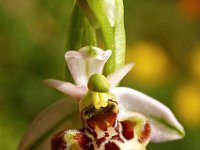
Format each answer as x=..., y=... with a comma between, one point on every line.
x=104, y=99
x=99, y=99
x=96, y=100
x=98, y=83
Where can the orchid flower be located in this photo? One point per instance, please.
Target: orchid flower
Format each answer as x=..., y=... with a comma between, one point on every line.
x=113, y=118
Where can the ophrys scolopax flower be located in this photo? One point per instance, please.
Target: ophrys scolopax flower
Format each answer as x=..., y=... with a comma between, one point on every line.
x=113, y=117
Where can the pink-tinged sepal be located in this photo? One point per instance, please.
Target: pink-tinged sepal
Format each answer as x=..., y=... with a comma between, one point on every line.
x=74, y=91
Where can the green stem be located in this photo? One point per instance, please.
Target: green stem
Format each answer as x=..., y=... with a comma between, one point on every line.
x=80, y=33
x=76, y=29
x=89, y=34
x=88, y=12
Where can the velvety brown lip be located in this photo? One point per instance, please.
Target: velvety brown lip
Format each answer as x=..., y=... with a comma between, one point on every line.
x=103, y=121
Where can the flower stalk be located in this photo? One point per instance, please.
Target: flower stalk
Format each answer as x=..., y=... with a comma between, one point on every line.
x=109, y=17
x=80, y=33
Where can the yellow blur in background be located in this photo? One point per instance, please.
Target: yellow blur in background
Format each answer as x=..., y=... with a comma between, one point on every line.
x=187, y=103
x=152, y=64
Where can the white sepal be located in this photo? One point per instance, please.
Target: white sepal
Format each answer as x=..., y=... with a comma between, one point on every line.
x=86, y=62
x=57, y=117
x=165, y=126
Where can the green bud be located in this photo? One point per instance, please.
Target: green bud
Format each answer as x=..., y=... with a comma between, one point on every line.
x=98, y=83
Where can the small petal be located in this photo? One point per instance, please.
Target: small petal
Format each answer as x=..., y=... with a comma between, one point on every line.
x=53, y=119
x=118, y=75
x=67, y=88
x=88, y=61
x=77, y=67
x=165, y=126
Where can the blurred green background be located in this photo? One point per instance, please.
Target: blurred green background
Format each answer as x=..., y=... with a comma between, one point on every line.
x=163, y=39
